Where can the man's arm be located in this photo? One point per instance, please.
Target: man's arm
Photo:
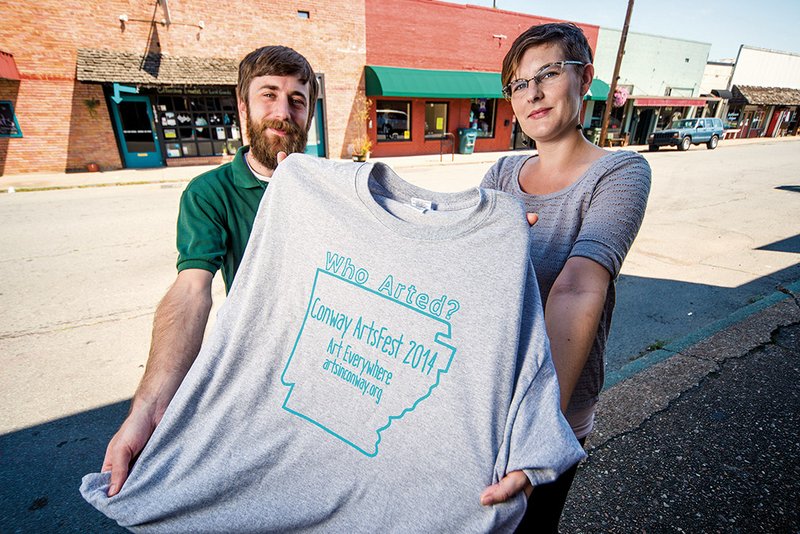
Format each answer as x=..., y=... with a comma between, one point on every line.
x=178, y=328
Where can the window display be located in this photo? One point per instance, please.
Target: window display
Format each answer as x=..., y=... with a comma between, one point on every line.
x=481, y=115
x=198, y=125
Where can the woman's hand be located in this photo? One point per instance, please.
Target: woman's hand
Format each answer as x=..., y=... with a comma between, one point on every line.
x=512, y=483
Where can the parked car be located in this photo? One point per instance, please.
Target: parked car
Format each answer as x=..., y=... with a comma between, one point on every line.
x=687, y=132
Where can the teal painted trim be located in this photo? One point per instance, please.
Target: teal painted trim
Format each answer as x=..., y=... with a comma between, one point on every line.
x=439, y=338
x=118, y=88
x=17, y=129
x=685, y=342
x=318, y=149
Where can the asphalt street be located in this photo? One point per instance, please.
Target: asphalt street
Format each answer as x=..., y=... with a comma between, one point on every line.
x=83, y=269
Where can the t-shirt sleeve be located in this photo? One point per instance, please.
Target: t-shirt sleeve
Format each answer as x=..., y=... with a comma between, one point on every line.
x=615, y=214
x=490, y=179
x=541, y=442
x=201, y=233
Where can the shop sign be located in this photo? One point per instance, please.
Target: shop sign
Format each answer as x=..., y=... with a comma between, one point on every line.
x=179, y=90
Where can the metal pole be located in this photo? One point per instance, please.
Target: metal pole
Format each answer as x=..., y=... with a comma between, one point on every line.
x=617, y=65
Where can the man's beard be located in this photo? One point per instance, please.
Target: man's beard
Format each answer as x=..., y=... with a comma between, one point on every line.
x=265, y=147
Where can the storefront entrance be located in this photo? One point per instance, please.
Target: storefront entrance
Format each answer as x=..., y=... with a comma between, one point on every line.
x=133, y=120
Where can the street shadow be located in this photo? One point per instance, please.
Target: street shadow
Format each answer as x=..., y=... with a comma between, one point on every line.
x=668, y=310
x=792, y=188
x=790, y=244
x=41, y=469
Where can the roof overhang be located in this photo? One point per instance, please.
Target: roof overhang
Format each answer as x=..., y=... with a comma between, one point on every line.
x=8, y=67
x=395, y=81
x=765, y=96
x=110, y=66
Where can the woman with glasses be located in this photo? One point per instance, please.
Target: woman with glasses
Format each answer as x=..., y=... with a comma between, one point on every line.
x=587, y=204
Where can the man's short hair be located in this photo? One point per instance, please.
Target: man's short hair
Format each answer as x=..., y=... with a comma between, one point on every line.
x=568, y=36
x=277, y=61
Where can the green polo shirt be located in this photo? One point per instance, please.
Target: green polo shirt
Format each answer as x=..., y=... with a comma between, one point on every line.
x=216, y=216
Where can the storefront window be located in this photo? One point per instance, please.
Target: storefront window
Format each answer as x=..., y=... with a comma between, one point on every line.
x=9, y=127
x=435, y=119
x=481, y=115
x=198, y=125
x=393, y=120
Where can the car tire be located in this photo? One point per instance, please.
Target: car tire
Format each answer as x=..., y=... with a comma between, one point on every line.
x=685, y=143
x=654, y=148
x=712, y=143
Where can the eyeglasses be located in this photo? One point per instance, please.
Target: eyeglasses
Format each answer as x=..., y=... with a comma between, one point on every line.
x=544, y=76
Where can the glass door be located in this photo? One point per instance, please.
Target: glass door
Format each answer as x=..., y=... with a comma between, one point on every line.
x=133, y=120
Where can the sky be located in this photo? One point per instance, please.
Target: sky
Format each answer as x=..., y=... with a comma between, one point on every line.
x=770, y=24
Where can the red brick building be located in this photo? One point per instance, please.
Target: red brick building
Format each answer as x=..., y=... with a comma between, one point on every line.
x=458, y=52
x=127, y=83
x=181, y=57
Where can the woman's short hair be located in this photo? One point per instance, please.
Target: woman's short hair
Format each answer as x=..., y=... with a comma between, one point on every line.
x=566, y=34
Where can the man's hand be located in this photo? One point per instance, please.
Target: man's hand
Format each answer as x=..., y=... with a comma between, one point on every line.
x=512, y=483
x=178, y=327
x=125, y=446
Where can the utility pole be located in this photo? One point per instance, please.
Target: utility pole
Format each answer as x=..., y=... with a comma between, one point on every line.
x=617, y=65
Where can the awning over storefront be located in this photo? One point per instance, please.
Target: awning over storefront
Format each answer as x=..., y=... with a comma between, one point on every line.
x=722, y=93
x=394, y=81
x=598, y=90
x=665, y=101
x=8, y=67
x=765, y=96
x=154, y=69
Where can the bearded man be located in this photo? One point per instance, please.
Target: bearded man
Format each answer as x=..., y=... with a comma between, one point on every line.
x=276, y=93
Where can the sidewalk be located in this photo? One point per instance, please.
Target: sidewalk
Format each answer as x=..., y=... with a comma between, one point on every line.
x=62, y=180
x=702, y=437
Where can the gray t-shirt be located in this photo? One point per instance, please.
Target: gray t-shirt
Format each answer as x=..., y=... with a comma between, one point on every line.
x=597, y=217
x=380, y=360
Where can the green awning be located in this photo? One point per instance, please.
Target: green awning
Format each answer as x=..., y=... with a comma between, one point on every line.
x=598, y=90
x=394, y=81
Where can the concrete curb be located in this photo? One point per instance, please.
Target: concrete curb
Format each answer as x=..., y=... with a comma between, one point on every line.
x=649, y=385
x=676, y=347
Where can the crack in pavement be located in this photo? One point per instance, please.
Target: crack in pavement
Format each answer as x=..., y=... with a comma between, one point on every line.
x=81, y=323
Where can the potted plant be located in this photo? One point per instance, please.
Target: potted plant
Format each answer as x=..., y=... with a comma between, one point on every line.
x=361, y=144
x=361, y=148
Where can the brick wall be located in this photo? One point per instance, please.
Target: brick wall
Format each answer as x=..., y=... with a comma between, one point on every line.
x=429, y=34
x=45, y=35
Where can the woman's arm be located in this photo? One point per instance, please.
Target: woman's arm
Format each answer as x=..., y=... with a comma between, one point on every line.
x=572, y=314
